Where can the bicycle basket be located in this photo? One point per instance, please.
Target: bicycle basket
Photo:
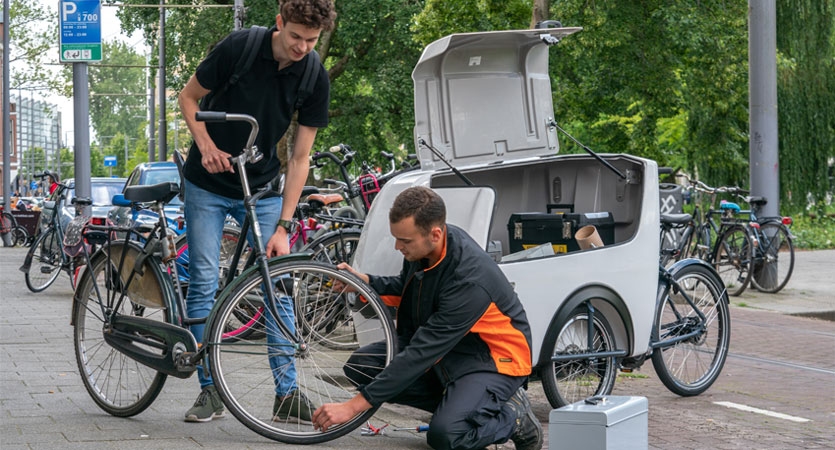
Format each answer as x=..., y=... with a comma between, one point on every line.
x=74, y=236
x=370, y=188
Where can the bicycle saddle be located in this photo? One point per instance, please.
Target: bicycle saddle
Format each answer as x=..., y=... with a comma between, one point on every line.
x=325, y=199
x=163, y=192
x=757, y=201
x=675, y=219
x=726, y=205
x=308, y=190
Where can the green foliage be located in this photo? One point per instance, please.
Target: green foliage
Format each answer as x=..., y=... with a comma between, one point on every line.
x=118, y=114
x=806, y=98
x=814, y=233
x=33, y=31
x=67, y=163
x=660, y=80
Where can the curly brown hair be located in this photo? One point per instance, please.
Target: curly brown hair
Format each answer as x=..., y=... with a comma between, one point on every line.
x=423, y=205
x=310, y=13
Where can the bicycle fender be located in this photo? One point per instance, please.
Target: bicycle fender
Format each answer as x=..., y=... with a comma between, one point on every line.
x=306, y=256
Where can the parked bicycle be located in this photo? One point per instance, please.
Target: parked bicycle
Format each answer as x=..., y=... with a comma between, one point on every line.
x=726, y=245
x=8, y=224
x=772, y=258
x=45, y=260
x=130, y=322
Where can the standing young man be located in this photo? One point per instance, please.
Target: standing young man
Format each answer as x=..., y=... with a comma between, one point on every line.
x=464, y=338
x=268, y=92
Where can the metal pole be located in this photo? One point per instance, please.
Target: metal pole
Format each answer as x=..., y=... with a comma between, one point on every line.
x=126, y=154
x=163, y=142
x=81, y=125
x=762, y=85
x=152, y=148
x=7, y=141
x=763, y=144
x=239, y=14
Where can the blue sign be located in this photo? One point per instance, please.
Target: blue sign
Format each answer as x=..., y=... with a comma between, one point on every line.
x=109, y=161
x=80, y=23
x=34, y=185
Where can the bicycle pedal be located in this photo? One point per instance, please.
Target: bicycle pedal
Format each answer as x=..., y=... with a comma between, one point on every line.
x=46, y=270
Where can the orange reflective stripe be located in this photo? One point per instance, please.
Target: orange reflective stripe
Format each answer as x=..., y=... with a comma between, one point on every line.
x=508, y=346
x=391, y=300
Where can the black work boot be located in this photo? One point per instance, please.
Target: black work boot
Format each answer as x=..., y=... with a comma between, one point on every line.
x=528, y=432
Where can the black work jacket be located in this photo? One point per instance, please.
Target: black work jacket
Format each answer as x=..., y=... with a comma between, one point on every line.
x=460, y=316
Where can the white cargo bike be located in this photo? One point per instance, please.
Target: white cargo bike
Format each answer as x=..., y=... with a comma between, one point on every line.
x=482, y=102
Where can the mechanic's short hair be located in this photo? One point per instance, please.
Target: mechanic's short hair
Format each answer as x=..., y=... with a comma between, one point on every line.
x=421, y=203
x=318, y=14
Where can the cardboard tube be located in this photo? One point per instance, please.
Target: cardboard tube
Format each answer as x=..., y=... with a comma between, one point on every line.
x=587, y=238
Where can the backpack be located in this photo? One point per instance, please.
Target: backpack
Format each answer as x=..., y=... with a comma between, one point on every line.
x=254, y=38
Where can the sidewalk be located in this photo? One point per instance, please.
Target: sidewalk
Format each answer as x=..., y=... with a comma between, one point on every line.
x=777, y=362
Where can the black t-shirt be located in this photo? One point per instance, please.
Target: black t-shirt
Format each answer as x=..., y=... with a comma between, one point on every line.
x=263, y=92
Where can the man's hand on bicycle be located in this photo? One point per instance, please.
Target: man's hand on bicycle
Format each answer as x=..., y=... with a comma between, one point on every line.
x=215, y=160
x=278, y=245
x=340, y=286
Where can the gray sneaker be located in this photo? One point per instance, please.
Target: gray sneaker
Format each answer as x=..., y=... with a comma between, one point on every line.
x=528, y=432
x=207, y=407
x=295, y=408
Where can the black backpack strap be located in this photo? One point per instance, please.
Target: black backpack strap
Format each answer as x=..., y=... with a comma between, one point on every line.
x=311, y=72
x=253, y=43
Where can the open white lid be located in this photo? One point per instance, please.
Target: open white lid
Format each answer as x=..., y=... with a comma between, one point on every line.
x=485, y=97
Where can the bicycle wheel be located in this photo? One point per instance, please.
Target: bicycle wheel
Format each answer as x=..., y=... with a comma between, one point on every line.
x=19, y=236
x=247, y=371
x=697, y=245
x=774, y=262
x=566, y=382
x=335, y=246
x=45, y=259
x=732, y=259
x=118, y=384
x=690, y=366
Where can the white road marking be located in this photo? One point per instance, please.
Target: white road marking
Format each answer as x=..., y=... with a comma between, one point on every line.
x=762, y=411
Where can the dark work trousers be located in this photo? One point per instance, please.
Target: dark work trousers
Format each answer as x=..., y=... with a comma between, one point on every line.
x=470, y=414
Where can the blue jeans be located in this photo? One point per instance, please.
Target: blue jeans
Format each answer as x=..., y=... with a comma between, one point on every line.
x=205, y=213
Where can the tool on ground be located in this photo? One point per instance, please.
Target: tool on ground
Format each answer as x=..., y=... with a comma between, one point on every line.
x=371, y=430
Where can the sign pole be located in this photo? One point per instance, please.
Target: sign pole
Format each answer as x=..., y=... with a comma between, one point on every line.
x=80, y=43
x=81, y=124
x=7, y=132
x=163, y=127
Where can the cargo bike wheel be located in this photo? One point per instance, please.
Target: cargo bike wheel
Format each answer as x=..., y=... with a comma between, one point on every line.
x=118, y=384
x=571, y=380
x=254, y=374
x=691, y=339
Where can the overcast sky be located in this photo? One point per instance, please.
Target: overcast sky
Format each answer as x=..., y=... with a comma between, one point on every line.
x=110, y=31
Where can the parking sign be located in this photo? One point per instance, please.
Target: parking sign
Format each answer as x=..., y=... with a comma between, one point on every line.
x=80, y=23
x=109, y=161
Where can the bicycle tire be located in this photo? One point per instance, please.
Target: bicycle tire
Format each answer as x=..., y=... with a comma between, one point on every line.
x=119, y=385
x=566, y=382
x=19, y=236
x=732, y=257
x=45, y=257
x=7, y=222
x=776, y=251
x=240, y=366
x=680, y=366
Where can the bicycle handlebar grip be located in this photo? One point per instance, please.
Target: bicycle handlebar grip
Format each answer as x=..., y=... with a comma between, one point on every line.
x=387, y=155
x=665, y=170
x=210, y=116
x=318, y=156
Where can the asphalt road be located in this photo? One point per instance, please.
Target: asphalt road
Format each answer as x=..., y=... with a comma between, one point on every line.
x=781, y=366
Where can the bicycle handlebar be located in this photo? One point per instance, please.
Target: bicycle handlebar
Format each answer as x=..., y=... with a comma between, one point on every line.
x=250, y=153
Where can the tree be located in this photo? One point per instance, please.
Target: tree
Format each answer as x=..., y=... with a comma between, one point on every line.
x=33, y=30
x=114, y=114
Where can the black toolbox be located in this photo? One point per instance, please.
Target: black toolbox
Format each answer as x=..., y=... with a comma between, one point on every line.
x=528, y=230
